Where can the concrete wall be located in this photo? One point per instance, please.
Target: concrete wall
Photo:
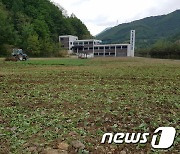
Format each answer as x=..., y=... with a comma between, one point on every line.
x=67, y=42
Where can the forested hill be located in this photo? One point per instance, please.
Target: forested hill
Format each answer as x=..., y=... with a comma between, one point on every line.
x=148, y=30
x=34, y=25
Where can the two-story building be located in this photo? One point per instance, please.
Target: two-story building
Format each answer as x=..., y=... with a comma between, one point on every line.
x=95, y=48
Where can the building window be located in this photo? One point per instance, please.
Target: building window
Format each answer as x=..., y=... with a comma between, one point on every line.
x=96, y=48
x=124, y=47
x=113, y=47
x=101, y=48
x=90, y=48
x=85, y=48
x=101, y=53
x=118, y=47
x=107, y=53
x=86, y=42
x=62, y=39
x=112, y=53
x=106, y=47
x=90, y=42
x=96, y=54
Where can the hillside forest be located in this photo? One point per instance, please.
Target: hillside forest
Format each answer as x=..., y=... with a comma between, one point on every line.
x=35, y=26
x=156, y=36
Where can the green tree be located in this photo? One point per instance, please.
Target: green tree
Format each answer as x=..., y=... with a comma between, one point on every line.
x=79, y=28
x=7, y=34
x=165, y=49
x=33, y=45
x=46, y=47
x=35, y=25
x=27, y=31
x=6, y=29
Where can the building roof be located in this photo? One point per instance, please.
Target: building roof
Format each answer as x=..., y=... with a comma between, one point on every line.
x=89, y=40
x=111, y=44
x=68, y=36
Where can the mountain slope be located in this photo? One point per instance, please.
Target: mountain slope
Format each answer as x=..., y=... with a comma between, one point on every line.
x=103, y=31
x=148, y=30
x=35, y=26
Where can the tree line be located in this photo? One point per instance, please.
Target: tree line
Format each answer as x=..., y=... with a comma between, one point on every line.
x=163, y=48
x=35, y=27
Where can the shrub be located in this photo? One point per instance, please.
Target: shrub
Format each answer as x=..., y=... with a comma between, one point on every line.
x=62, y=53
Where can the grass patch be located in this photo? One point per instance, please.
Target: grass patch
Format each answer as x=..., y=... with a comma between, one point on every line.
x=60, y=61
x=43, y=101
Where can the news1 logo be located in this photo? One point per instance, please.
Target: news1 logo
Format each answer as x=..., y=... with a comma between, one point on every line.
x=164, y=141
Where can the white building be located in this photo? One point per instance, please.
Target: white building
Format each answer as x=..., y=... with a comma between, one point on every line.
x=95, y=48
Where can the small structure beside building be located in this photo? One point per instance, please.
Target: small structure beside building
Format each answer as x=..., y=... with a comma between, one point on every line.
x=95, y=48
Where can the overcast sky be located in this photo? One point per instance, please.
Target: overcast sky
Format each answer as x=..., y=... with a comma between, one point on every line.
x=100, y=14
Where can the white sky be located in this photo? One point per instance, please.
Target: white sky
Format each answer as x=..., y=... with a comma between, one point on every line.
x=100, y=14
